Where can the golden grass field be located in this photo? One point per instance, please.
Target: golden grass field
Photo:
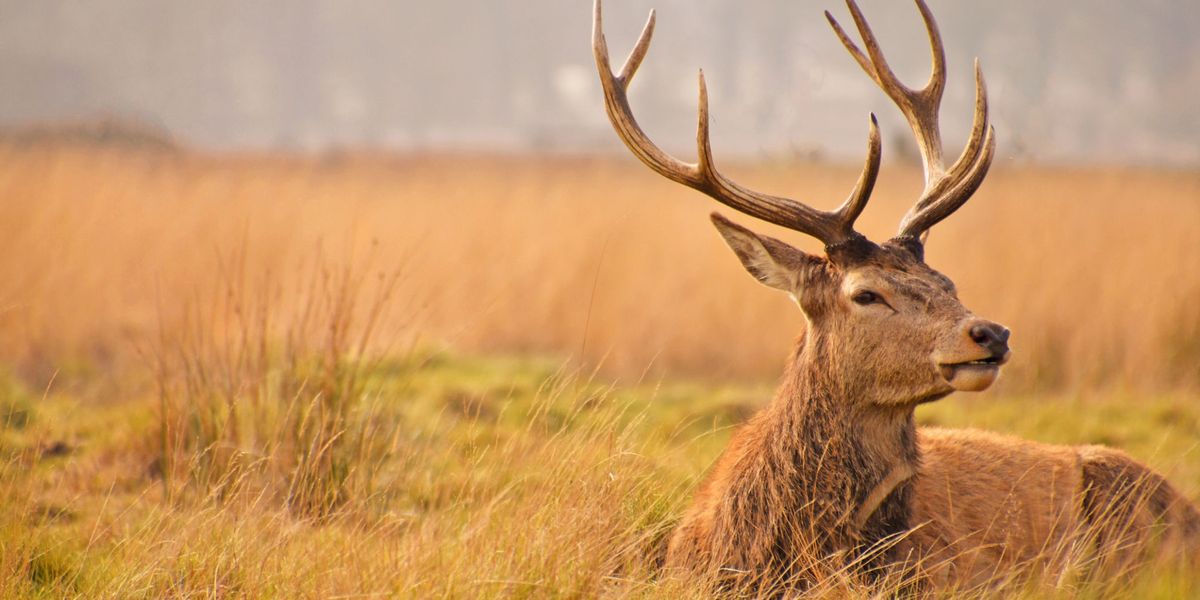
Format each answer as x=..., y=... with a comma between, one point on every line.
x=363, y=375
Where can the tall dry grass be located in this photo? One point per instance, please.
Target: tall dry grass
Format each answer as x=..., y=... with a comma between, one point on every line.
x=1095, y=270
x=263, y=392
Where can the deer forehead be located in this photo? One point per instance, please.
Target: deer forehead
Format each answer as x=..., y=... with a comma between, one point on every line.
x=923, y=285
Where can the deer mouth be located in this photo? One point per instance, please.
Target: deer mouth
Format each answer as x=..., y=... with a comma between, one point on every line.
x=973, y=375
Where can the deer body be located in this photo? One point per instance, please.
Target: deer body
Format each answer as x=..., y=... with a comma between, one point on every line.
x=987, y=507
x=833, y=471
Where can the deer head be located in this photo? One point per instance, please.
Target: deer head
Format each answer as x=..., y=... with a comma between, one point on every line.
x=885, y=327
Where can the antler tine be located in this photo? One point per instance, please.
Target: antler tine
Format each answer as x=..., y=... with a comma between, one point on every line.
x=857, y=201
x=829, y=227
x=979, y=127
x=945, y=189
x=937, y=77
x=617, y=104
x=920, y=107
x=929, y=212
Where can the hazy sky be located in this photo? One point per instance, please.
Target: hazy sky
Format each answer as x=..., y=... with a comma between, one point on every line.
x=1070, y=80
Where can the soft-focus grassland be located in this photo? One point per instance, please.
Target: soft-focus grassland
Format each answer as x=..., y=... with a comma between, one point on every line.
x=480, y=377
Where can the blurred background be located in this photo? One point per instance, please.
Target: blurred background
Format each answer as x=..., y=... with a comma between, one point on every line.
x=1071, y=81
x=146, y=143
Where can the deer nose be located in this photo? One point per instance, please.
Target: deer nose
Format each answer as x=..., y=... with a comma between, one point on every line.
x=993, y=337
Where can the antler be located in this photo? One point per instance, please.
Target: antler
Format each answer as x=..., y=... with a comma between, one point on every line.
x=829, y=227
x=945, y=189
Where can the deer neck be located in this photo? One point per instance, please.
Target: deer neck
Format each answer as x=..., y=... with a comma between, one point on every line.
x=853, y=458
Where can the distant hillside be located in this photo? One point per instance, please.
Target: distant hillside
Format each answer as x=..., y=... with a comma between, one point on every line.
x=1071, y=80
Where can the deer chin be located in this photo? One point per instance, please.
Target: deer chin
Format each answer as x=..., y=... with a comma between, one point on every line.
x=970, y=378
x=973, y=375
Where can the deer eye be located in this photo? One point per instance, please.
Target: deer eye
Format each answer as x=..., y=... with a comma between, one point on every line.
x=866, y=297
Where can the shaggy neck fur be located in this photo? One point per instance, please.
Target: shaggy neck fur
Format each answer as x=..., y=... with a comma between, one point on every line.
x=786, y=495
x=834, y=448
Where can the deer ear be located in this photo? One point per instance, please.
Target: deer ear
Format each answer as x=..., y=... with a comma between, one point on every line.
x=769, y=260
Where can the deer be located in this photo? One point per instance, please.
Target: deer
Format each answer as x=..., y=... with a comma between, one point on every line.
x=834, y=466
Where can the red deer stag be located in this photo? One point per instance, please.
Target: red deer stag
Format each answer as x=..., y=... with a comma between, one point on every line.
x=834, y=466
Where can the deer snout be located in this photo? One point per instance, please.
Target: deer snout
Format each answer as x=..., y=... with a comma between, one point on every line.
x=990, y=336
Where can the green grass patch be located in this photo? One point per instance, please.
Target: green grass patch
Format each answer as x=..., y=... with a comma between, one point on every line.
x=496, y=477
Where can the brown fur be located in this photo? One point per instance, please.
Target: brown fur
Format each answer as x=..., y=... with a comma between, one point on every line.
x=777, y=504
x=989, y=507
x=1133, y=513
